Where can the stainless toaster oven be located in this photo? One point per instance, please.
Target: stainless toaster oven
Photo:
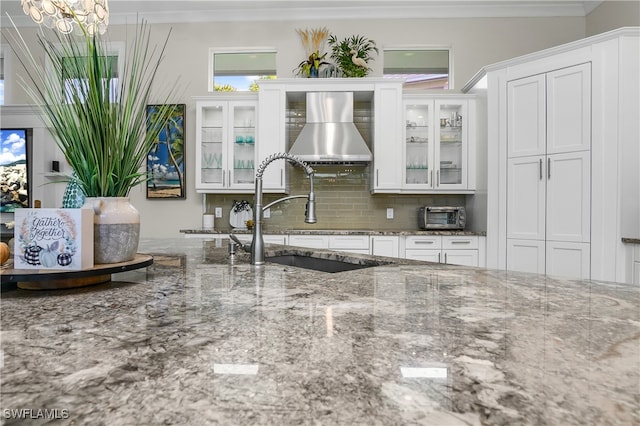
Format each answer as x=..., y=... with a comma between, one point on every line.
x=441, y=217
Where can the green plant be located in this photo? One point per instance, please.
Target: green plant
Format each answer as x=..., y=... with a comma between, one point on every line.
x=352, y=54
x=312, y=41
x=103, y=135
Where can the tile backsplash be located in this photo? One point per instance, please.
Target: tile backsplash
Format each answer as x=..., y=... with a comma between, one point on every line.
x=343, y=201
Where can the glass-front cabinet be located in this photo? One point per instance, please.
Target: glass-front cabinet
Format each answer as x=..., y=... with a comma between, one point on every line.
x=225, y=145
x=436, y=143
x=419, y=144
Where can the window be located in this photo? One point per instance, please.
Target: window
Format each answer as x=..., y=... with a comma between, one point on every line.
x=72, y=81
x=238, y=70
x=422, y=68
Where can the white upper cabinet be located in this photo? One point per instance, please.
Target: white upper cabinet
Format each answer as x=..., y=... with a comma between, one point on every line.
x=272, y=134
x=569, y=109
x=225, y=144
x=527, y=117
x=436, y=155
x=386, y=169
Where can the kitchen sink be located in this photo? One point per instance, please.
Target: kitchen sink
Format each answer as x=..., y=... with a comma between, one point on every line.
x=319, y=264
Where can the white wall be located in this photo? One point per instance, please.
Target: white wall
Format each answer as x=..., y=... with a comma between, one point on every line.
x=612, y=14
x=474, y=43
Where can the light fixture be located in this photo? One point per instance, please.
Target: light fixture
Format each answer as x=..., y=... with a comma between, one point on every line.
x=63, y=15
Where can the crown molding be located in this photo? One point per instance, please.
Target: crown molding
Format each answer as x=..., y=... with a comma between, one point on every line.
x=187, y=11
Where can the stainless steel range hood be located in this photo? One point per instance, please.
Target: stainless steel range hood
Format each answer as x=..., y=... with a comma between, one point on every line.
x=330, y=134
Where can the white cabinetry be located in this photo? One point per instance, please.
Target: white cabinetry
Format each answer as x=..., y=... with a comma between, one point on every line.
x=636, y=264
x=438, y=154
x=385, y=245
x=309, y=241
x=346, y=243
x=548, y=173
x=450, y=249
x=386, y=175
x=225, y=144
x=271, y=134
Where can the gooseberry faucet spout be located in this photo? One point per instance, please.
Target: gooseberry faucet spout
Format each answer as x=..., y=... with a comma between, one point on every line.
x=257, y=243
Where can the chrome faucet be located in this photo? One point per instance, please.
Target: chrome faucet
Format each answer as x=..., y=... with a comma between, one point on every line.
x=257, y=244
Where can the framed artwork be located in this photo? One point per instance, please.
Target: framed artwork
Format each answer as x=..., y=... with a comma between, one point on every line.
x=165, y=162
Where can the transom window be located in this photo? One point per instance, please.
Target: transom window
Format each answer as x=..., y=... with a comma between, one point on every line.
x=239, y=70
x=422, y=68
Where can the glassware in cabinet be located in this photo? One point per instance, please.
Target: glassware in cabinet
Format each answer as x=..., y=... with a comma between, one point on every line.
x=418, y=149
x=451, y=136
x=226, y=133
x=244, y=136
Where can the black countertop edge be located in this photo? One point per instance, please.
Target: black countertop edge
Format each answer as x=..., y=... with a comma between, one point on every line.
x=334, y=232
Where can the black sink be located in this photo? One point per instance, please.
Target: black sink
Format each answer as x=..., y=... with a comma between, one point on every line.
x=318, y=264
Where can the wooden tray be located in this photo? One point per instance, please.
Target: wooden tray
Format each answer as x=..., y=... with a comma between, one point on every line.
x=50, y=279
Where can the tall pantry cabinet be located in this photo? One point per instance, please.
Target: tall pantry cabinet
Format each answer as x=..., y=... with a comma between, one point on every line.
x=548, y=172
x=563, y=174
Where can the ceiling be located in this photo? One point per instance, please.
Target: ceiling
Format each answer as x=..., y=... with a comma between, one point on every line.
x=178, y=11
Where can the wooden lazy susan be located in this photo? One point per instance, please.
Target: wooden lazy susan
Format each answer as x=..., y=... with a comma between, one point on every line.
x=50, y=279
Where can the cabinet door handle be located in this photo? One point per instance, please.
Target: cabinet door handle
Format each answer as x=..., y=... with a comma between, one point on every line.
x=223, y=176
x=423, y=242
x=431, y=174
x=281, y=172
x=445, y=258
x=461, y=242
x=548, y=168
x=541, y=169
x=438, y=257
x=377, y=177
x=438, y=178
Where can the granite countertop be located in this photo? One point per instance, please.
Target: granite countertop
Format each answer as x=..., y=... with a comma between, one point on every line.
x=332, y=232
x=198, y=338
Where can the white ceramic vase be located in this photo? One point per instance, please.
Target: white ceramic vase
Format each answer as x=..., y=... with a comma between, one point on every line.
x=116, y=229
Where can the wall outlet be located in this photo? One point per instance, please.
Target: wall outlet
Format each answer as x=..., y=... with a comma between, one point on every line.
x=266, y=214
x=218, y=212
x=389, y=212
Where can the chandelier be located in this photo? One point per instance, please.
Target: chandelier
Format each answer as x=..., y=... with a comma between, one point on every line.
x=63, y=15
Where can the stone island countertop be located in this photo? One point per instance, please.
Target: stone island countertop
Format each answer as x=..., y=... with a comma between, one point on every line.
x=332, y=232
x=198, y=339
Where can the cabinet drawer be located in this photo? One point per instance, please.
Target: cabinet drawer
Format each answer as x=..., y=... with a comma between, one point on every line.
x=359, y=242
x=424, y=255
x=459, y=242
x=309, y=241
x=275, y=239
x=423, y=242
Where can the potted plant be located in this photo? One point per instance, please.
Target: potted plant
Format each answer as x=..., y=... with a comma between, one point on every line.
x=101, y=129
x=352, y=54
x=313, y=41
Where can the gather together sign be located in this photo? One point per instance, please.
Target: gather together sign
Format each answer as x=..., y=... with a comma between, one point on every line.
x=53, y=239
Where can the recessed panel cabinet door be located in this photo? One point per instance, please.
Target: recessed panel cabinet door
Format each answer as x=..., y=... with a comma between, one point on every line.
x=526, y=115
x=526, y=256
x=569, y=260
x=526, y=198
x=569, y=197
x=569, y=109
